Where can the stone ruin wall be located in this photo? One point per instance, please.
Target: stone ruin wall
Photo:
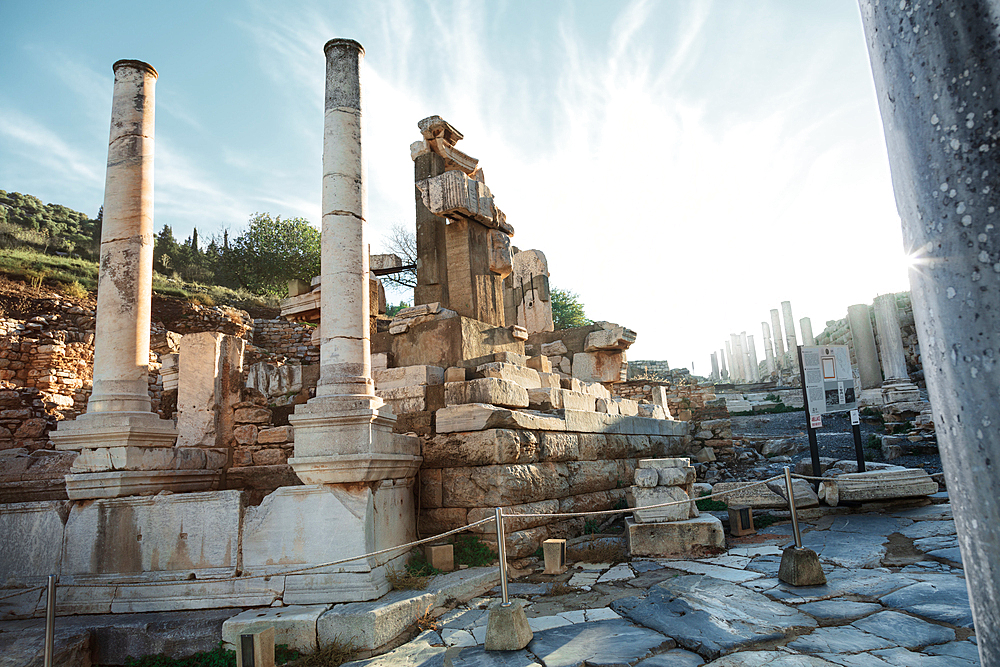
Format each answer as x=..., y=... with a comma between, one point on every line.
x=838, y=332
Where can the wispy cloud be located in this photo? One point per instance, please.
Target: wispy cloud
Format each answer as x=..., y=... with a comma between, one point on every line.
x=33, y=146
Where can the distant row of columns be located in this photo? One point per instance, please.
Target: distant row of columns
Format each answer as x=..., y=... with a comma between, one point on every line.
x=737, y=361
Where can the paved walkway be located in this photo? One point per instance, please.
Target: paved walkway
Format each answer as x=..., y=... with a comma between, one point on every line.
x=895, y=596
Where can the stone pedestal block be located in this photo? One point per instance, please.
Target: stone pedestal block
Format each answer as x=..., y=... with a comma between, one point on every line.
x=210, y=377
x=507, y=628
x=693, y=538
x=315, y=524
x=800, y=567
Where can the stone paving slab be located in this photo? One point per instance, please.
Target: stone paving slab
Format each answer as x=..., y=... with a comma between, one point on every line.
x=945, y=599
x=677, y=657
x=903, y=630
x=839, y=610
x=711, y=616
x=421, y=653
x=602, y=643
x=769, y=659
x=841, y=639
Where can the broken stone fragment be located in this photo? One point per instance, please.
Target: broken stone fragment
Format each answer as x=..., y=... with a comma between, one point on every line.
x=618, y=338
x=646, y=478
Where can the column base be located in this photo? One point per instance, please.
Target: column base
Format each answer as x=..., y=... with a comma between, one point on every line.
x=119, y=483
x=334, y=445
x=899, y=391
x=114, y=429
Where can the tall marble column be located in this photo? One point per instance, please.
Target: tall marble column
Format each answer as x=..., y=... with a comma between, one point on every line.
x=126, y=449
x=752, y=359
x=806, y=327
x=865, y=351
x=738, y=364
x=715, y=367
x=790, y=339
x=768, y=351
x=745, y=350
x=897, y=386
x=722, y=362
x=344, y=434
x=779, y=346
x=935, y=68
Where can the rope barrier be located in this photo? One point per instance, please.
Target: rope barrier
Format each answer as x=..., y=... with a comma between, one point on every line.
x=408, y=545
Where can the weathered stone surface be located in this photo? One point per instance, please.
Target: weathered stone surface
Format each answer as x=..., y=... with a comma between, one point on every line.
x=773, y=659
x=522, y=375
x=801, y=490
x=944, y=598
x=656, y=496
x=370, y=625
x=31, y=544
x=673, y=658
x=575, y=400
x=598, y=366
x=294, y=625
x=407, y=376
x=590, y=476
x=594, y=446
x=504, y=485
x=904, y=630
x=486, y=390
x=480, y=416
x=554, y=446
x=507, y=628
x=646, y=478
x=710, y=616
x=801, y=567
x=600, y=643
x=884, y=485
x=618, y=338
x=210, y=366
x=839, y=610
x=511, y=522
x=421, y=653
x=844, y=639
x=545, y=399
x=554, y=349
x=480, y=448
x=693, y=538
x=742, y=493
x=275, y=435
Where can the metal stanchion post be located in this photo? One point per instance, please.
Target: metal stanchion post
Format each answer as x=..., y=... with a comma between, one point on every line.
x=791, y=507
x=50, y=619
x=502, y=555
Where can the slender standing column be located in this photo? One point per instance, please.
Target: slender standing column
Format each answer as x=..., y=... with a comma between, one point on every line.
x=891, y=351
x=722, y=361
x=715, y=367
x=752, y=357
x=745, y=350
x=126, y=449
x=864, y=346
x=737, y=357
x=768, y=351
x=779, y=346
x=935, y=70
x=344, y=434
x=805, y=325
x=790, y=340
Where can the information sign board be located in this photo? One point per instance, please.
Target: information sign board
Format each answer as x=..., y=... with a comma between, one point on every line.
x=829, y=382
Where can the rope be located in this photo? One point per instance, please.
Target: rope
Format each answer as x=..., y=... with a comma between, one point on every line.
x=645, y=507
x=819, y=479
x=281, y=573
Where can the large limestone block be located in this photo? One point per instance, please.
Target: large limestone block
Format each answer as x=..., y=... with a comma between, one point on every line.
x=178, y=532
x=447, y=342
x=591, y=476
x=407, y=376
x=577, y=400
x=742, y=493
x=480, y=448
x=693, y=538
x=594, y=447
x=657, y=495
x=504, y=485
x=294, y=625
x=30, y=550
x=557, y=446
x=490, y=390
x=413, y=398
x=312, y=524
x=598, y=366
x=522, y=375
x=209, y=380
x=480, y=416
x=511, y=521
x=884, y=485
x=545, y=399
x=626, y=407
x=618, y=338
x=370, y=625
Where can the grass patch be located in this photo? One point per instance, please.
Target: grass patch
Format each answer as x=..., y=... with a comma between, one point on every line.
x=560, y=588
x=764, y=520
x=591, y=527
x=603, y=551
x=470, y=550
x=333, y=655
x=710, y=504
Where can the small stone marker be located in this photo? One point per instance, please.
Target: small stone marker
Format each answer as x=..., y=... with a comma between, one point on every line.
x=507, y=628
x=256, y=649
x=554, y=552
x=800, y=567
x=440, y=556
x=741, y=521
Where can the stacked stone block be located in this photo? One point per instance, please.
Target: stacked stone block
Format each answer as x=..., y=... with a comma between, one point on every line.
x=291, y=339
x=257, y=441
x=592, y=353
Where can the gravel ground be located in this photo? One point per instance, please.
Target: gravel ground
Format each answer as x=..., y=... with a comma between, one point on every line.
x=835, y=438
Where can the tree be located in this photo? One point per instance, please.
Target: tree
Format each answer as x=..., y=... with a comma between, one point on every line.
x=403, y=242
x=272, y=251
x=567, y=310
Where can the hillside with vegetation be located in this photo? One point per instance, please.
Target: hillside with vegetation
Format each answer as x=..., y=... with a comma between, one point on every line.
x=54, y=245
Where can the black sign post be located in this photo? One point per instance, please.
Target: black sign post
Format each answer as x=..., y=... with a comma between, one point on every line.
x=813, y=443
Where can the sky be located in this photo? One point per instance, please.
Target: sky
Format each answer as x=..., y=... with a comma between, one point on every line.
x=685, y=166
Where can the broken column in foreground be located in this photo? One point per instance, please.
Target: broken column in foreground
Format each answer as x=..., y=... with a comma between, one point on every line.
x=126, y=449
x=353, y=466
x=677, y=531
x=865, y=352
x=896, y=387
x=935, y=70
